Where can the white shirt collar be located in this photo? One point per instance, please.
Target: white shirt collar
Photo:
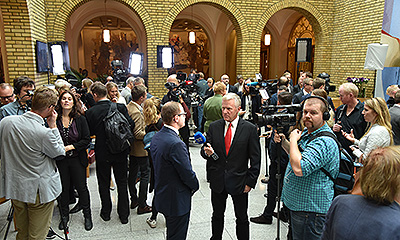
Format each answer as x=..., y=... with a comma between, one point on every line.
x=173, y=128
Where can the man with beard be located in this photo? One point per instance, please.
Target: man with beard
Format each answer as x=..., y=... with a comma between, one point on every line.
x=307, y=190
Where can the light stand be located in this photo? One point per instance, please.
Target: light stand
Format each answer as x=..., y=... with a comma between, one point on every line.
x=9, y=219
x=278, y=184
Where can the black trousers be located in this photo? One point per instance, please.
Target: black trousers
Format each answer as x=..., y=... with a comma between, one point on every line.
x=103, y=171
x=240, y=204
x=72, y=172
x=177, y=226
x=139, y=164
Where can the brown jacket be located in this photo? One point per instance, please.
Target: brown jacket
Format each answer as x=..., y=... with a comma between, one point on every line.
x=137, y=148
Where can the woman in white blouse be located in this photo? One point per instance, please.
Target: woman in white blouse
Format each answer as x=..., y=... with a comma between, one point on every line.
x=379, y=133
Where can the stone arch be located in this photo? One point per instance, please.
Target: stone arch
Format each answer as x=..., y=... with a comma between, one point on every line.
x=57, y=29
x=228, y=8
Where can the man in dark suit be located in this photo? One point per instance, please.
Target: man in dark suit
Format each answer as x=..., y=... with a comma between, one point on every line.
x=175, y=181
x=306, y=91
x=104, y=159
x=229, y=88
x=233, y=156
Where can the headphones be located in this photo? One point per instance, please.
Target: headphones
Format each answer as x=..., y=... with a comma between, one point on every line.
x=325, y=115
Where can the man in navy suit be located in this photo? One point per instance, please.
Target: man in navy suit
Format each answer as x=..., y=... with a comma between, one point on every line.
x=233, y=156
x=229, y=87
x=175, y=181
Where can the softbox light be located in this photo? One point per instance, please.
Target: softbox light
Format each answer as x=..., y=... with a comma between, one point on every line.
x=165, y=56
x=59, y=62
x=135, y=66
x=376, y=56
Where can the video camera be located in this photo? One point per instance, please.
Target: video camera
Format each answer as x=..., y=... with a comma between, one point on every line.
x=328, y=87
x=119, y=73
x=279, y=120
x=188, y=85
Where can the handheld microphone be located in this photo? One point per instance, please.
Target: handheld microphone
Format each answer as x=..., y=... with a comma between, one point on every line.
x=199, y=138
x=252, y=84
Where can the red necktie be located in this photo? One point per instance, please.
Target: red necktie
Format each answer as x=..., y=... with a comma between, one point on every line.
x=228, y=137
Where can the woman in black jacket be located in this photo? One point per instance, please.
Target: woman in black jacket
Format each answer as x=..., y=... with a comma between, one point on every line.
x=75, y=134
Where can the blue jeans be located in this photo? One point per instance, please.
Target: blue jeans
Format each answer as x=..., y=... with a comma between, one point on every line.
x=307, y=225
x=200, y=115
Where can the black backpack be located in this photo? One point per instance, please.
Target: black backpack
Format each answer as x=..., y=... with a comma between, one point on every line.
x=119, y=135
x=345, y=180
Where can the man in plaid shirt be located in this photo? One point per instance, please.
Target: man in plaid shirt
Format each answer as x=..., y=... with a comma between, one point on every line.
x=307, y=190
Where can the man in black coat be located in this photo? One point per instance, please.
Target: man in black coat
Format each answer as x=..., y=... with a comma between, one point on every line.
x=104, y=159
x=229, y=88
x=233, y=155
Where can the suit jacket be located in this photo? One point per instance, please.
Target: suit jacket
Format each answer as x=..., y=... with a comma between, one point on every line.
x=255, y=105
x=232, y=89
x=297, y=97
x=95, y=116
x=232, y=171
x=137, y=148
x=84, y=139
x=175, y=181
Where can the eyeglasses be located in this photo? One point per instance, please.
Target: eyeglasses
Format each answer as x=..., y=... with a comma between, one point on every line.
x=6, y=97
x=180, y=114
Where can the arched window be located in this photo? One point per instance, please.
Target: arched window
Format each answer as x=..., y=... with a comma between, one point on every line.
x=302, y=29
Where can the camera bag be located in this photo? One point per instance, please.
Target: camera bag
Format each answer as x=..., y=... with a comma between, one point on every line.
x=118, y=130
x=345, y=180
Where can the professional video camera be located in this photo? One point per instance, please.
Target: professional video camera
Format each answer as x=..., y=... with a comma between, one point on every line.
x=328, y=87
x=188, y=85
x=119, y=73
x=279, y=120
x=173, y=91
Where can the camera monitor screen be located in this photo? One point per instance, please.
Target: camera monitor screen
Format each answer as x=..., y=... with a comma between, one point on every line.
x=135, y=66
x=42, y=59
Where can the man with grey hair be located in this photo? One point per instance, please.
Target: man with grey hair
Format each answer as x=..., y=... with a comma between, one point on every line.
x=126, y=92
x=229, y=88
x=233, y=155
x=6, y=94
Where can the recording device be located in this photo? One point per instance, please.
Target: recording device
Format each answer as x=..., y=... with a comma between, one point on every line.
x=187, y=85
x=328, y=87
x=119, y=73
x=279, y=120
x=173, y=91
x=199, y=138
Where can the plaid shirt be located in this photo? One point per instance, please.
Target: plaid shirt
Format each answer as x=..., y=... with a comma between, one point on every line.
x=312, y=192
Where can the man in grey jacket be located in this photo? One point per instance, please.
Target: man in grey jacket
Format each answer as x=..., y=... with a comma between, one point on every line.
x=29, y=175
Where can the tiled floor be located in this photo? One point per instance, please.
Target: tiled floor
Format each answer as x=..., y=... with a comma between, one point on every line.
x=137, y=228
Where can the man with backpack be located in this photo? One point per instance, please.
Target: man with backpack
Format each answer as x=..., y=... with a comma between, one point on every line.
x=106, y=156
x=307, y=190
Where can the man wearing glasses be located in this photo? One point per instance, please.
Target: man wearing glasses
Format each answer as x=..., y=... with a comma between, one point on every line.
x=28, y=170
x=307, y=89
x=6, y=94
x=23, y=87
x=175, y=181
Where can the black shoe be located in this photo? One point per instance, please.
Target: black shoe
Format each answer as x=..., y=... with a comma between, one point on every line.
x=143, y=210
x=134, y=205
x=88, y=223
x=76, y=208
x=63, y=222
x=261, y=220
x=51, y=234
x=104, y=217
x=124, y=220
x=282, y=216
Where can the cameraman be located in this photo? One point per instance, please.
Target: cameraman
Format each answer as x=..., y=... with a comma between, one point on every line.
x=177, y=95
x=251, y=102
x=23, y=87
x=284, y=98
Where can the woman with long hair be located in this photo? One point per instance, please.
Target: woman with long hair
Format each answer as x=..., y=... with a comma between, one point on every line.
x=152, y=119
x=113, y=93
x=75, y=134
x=87, y=98
x=379, y=132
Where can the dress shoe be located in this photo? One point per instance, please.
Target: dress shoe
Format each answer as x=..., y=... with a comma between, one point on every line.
x=88, y=223
x=76, y=208
x=261, y=220
x=282, y=216
x=134, y=205
x=51, y=234
x=104, y=217
x=124, y=220
x=63, y=222
x=143, y=210
x=152, y=222
x=265, y=180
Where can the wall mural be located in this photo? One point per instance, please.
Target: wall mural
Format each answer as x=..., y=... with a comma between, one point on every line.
x=188, y=56
x=98, y=54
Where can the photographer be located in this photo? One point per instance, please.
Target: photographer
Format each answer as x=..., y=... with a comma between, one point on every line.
x=177, y=95
x=284, y=98
x=251, y=102
x=23, y=87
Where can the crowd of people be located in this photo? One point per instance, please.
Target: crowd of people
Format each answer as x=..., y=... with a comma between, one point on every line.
x=52, y=129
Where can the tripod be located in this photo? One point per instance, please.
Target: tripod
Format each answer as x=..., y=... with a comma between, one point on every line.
x=9, y=219
x=278, y=182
